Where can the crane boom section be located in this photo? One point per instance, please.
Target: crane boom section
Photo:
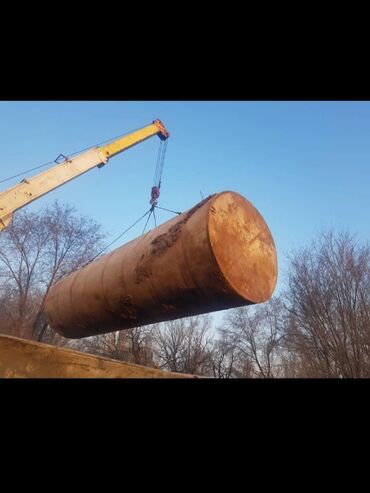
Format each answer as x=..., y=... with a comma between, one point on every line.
x=32, y=188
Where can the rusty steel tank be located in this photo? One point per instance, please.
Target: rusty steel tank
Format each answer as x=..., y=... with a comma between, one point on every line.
x=219, y=254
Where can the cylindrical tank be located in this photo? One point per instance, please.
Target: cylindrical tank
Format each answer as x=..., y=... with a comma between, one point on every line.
x=220, y=254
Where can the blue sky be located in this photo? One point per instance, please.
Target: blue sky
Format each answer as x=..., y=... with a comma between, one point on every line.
x=304, y=165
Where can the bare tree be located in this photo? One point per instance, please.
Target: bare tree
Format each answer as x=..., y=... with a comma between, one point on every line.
x=328, y=300
x=170, y=341
x=36, y=250
x=111, y=345
x=133, y=345
x=141, y=340
x=257, y=333
x=183, y=345
x=226, y=360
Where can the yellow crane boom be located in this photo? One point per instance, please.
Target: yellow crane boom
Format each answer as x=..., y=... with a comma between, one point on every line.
x=31, y=189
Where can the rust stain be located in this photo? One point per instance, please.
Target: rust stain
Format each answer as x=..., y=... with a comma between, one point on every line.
x=163, y=242
x=166, y=240
x=142, y=270
x=128, y=308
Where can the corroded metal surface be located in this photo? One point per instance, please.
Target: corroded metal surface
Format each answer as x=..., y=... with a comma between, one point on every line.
x=220, y=254
x=20, y=358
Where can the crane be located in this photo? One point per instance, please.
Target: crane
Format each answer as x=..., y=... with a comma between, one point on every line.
x=31, y=189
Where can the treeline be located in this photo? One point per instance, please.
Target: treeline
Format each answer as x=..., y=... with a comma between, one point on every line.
x=318, y=327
